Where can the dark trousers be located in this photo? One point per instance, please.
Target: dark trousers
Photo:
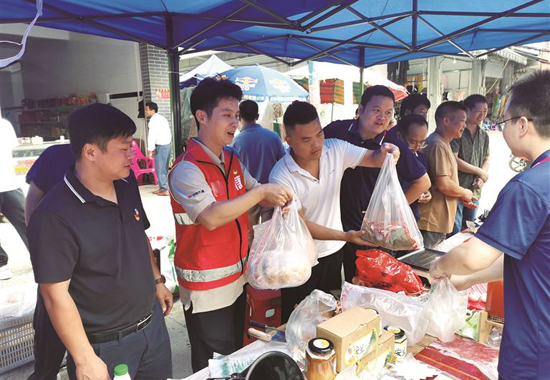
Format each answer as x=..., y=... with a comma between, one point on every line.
x=463, y=214
x=147, y=352
x=49, y=351
x=349, y=260
x=12, y=205
x=218, y=331
x=163, y=153
x=325, y=276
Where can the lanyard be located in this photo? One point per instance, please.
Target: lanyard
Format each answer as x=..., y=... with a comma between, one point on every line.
x=541, y=162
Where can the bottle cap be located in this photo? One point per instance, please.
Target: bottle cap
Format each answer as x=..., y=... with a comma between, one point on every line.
x=121, y=369
x=399, y=333
x=320, y=346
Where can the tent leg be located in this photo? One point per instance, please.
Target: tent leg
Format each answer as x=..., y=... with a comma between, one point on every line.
x=175, y=105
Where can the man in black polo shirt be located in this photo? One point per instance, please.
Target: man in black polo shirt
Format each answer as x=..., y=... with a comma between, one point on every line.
x=92, y=258
x=369, y=131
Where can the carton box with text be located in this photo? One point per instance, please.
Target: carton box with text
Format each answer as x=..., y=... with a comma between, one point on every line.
x=354, y=334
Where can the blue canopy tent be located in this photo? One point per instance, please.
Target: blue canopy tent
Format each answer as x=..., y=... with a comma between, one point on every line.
x=362, y=33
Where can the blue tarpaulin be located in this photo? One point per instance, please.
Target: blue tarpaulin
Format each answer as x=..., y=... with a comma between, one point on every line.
x=361, y=32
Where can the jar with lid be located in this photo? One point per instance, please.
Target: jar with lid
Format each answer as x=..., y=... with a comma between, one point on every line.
x=320, y=360
x=400, y=350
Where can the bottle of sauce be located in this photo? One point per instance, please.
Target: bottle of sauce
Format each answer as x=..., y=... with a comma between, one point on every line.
x=400, y=349
x=320, y=360
x=122, y=372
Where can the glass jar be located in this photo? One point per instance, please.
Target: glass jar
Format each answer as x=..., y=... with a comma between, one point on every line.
x=400, y=349
x=320, y=360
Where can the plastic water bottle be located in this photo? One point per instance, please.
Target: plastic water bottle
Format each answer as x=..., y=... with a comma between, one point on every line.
x=121, y=372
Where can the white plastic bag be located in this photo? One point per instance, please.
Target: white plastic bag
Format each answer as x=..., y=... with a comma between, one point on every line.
x=17, y=300
x=282, y=252
x=446, y=310
x=167, y=247
x=395, y=309
x=389, y=221
x=302, y=324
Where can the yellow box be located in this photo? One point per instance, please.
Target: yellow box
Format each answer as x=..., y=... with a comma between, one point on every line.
x=354, y=334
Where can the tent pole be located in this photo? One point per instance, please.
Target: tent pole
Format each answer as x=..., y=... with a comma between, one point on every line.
x=174, y=76
x=361, y=70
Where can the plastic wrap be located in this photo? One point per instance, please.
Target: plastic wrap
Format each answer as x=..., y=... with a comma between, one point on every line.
x=378, y=269
x=18, y=300
x=440, y=314
x=282, y=252
x=302, y=324
x=389, y=220
x=394, y=309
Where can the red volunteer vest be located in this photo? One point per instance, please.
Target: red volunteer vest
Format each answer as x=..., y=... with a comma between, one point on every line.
x=210, y=259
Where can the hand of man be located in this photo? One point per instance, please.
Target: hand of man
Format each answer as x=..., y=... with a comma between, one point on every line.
x=391, y=149
x=467, y=196
x=150, y=154
x=425, y=197
x=165, y=298
x=483, y=175
x=471, y=204
x=435, y=272
x=275, y=194
x=478, y=183
x=355, y=238
x=92, y=369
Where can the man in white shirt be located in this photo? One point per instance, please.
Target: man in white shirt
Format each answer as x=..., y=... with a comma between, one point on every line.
x=313, y=169
x=12, y=200
x=159, y=143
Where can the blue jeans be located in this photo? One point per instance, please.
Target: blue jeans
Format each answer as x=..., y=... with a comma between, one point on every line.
x=464, y=214
x=163, y=153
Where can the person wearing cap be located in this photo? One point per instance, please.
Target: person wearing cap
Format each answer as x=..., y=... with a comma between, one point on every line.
x=211, y=193
x=93, y=261
x=513, y=244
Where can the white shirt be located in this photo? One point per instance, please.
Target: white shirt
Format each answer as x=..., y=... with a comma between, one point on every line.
x=189, y=187
x=320, y=198
x=159, y=132
x=8, y=141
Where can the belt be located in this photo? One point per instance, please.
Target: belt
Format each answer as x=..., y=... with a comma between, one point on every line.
x=108, y=336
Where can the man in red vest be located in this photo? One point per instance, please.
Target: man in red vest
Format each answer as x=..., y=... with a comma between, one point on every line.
x=211, y=193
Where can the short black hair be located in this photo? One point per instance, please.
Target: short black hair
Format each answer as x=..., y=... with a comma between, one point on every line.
x=406, y=122
x=531, y=98
x=471, y=101
x=447, y=108
x=299, y=113
x=412, y=101
x=377, y=90
x=152, y=106
x=209, y=92
x=97, y=124
x=248, y=110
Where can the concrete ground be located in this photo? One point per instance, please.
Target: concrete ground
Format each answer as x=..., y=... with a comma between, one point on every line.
x=159, y=213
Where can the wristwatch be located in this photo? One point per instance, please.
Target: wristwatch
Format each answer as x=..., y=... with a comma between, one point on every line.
x=160, y=280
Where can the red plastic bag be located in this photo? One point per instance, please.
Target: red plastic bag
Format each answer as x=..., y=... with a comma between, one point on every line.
x=378, y=269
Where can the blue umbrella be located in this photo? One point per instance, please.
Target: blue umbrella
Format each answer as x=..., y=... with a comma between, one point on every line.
x=261, y=83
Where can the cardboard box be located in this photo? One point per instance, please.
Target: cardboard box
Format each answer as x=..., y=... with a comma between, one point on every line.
x=354, y=334
x=385, y=341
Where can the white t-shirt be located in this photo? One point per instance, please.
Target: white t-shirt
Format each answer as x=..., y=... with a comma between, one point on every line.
x=8, y=141
x=320, y=198
x=159, y=132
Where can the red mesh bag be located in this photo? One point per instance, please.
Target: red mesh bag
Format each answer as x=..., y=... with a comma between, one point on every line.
x=378, y=269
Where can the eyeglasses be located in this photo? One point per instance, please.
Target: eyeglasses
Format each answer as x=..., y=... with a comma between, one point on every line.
x=502, y=122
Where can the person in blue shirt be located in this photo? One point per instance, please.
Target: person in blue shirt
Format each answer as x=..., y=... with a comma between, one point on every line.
x=514, y=242
x=370, y=131
x=259, y=150
x=413, y=129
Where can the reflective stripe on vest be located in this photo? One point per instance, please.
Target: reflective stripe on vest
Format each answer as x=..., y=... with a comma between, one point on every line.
x=209, y=275
x=183, y=219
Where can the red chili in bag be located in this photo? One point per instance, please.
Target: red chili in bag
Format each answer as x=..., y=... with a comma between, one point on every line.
x=378, y=269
